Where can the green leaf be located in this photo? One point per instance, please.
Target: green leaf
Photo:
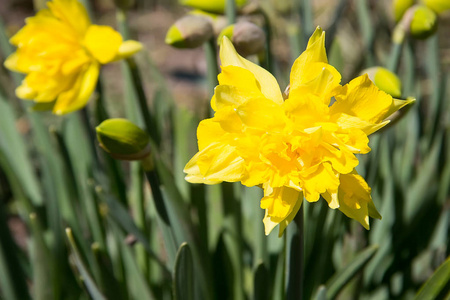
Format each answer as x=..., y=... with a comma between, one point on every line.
x=88, y=281
x=13, y=285
x=261, y=282
x=13, y=145
x=121, y=216
x=438, y=281
x=137, y=284
x=342, y=277
x=41, y=261
x=321, y=293
x=183, y=277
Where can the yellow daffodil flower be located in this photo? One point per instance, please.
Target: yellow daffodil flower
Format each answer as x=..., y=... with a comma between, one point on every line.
x=60, y=52
x=303, y=146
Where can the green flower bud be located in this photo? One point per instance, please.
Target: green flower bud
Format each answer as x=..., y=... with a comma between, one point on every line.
x=123, y=140
x=400, y=7
x=246, y=37
x=424, y=22
x=218, y=22
x=214, y=6
x=124, y=4
x=438, y=6
x=190, y=31
x=385, y=80
x=420, y=22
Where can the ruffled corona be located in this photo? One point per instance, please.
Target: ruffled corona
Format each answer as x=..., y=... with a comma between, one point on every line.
x=303, y=146
x=60, y=52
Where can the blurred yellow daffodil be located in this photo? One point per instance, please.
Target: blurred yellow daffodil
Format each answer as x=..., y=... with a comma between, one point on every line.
x=60, y=52
x=303, y=146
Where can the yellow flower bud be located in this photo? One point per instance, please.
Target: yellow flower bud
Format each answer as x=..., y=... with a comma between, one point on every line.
x=385, y=80
x=246, y=37
x=214, y=6
x=123, y=140
x=400, y=7
x=190, y=31
x=438, y=6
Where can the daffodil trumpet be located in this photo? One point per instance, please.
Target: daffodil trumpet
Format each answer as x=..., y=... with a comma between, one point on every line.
x=299, y=147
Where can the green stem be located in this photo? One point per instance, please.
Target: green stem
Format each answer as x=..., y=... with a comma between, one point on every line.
x=233, y=236
x=212, y=67
x=101, y=113
x=394, y=57
x=211, y=61
x=153, y=180
x=332, y=30
x=295, y=259
x=149, y=120
x=268, y=61
x=367, y=28
x=307, y=17
x=230, y=11
x=90, y=135
x=161, y=209
x=138, y=207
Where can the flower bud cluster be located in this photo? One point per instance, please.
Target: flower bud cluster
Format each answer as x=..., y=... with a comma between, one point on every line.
x=206, y=22
x=420, y=21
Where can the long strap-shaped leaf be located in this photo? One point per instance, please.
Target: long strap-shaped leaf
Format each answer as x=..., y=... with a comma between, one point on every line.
x=183, y=285
x=438, y=281
x=91, y=286
x=342, y=277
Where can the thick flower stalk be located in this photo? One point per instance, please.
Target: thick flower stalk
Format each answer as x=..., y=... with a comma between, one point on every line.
x=303, y=146
x=61, y=52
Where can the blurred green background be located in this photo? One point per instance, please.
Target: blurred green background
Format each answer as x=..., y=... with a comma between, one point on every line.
x=211, y=243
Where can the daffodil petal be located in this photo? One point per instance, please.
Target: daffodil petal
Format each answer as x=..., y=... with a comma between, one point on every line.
x=279, y=203
x=322, y=179
x=253, y=113
x=24, y=91
x=208, y=132
x=217, y=162
x=312, y=62
x=359, y=214
x=127, y=49
x=364, y=100
x=355, y=199
x=292, y=214
x=78, y=96
x=102, y=42
x=332, y=197
x=227, y=95
x=71, y=12
x=268, y=83
x=398, y=104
